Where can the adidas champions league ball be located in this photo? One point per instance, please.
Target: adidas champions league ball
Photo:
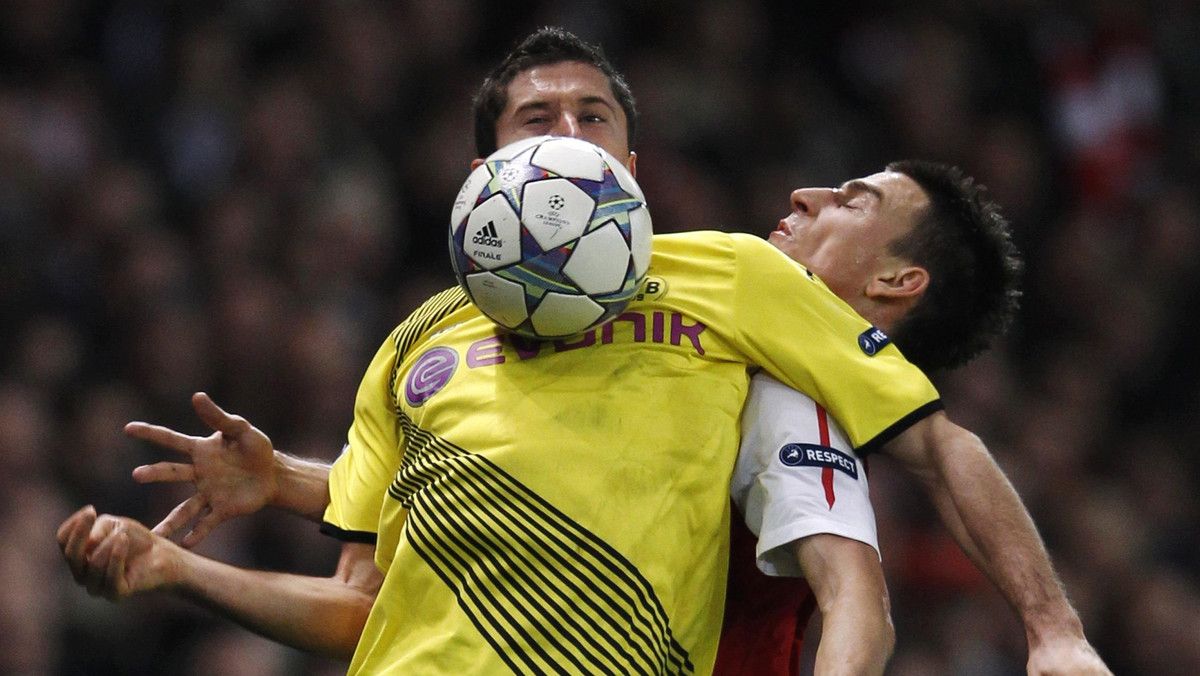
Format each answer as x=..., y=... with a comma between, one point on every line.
x=550, y=237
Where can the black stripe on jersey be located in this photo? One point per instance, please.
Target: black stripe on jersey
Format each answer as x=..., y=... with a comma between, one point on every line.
x=579, y=593
x=898, y=427
x=548, y=595
x=416, y=324
x=432, y=447
x=530, y=568
x=362, y=536
x=463, y=560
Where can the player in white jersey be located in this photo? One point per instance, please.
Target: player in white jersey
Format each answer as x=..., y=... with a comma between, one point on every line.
x=797, y=475
x=802, y=490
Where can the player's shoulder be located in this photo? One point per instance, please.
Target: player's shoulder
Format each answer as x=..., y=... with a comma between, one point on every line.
x=437, y=306
x=715, y=249
x=706, y=254
x=791, y=413
x=690, y=242
x=429, y=314
x=770, y=391
x=712, y=239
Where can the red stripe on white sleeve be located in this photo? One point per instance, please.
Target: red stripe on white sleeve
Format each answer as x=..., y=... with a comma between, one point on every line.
x=827, y=473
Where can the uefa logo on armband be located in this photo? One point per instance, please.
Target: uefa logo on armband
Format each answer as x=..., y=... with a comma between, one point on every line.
x=872, y=341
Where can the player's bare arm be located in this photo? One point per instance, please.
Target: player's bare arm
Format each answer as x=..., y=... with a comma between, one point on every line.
x=235, y=471
x=987, y=518
x=857, y=636
x=116, y=557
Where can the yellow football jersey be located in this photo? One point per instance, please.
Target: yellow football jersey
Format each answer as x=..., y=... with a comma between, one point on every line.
x=563, y=507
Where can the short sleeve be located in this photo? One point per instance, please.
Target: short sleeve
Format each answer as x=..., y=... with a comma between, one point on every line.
x=797, y=475
x=359, y=479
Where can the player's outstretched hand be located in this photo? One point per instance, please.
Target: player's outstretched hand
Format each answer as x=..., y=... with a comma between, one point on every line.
x=232, y=469
x=114, y=556
x=1066, y=657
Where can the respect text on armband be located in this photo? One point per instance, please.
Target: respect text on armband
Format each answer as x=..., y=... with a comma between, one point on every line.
x=815, y=455
x=629, y=327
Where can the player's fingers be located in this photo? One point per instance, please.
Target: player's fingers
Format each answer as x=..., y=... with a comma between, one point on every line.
x=71, y=524
x=74, y=540
x=203, y=527
x=167, y=472
x=215, y=417
x=180, y=516
x=97, y=566
x=74, y=550
x=163, y=436
x=114, y=572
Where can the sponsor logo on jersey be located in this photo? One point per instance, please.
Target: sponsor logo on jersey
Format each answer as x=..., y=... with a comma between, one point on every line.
x=429, y=374
x=816, y=455
x=653, y=288
x=872, y=341
x=632, y=326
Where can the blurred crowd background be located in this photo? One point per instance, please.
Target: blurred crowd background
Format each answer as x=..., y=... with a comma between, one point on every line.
x=244, y=197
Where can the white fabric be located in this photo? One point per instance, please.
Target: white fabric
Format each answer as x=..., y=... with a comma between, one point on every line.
x=782, y=503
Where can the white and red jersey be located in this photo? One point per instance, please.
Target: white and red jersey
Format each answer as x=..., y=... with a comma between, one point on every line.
x=797, y=475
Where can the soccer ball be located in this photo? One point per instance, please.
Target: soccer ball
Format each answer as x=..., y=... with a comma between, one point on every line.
x=550, y=237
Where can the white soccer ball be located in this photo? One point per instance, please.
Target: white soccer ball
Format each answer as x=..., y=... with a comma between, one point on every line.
x=550, y=237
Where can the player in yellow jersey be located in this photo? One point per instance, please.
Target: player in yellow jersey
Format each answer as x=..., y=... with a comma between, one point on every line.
x=497, y=568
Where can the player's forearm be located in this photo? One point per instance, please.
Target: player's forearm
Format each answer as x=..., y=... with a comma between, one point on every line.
x=985, y=514
x=856, y=634
x=856, y=638
x=303, y=486
x=943, y=500
x=1012, y=552
x=324, y=616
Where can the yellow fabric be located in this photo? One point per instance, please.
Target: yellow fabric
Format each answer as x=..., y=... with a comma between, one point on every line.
x=564, y=507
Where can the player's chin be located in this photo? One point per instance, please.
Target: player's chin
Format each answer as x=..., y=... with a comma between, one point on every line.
x=785, y=243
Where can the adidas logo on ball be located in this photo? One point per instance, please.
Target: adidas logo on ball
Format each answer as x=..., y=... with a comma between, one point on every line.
x=487, y=236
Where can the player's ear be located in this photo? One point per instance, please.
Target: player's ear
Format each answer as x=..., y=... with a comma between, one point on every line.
x=906, y=282
x=476, y=162
x=631, y=164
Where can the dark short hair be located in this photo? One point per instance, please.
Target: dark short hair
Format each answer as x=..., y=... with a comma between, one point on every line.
x=966, y=244
x=547, y=45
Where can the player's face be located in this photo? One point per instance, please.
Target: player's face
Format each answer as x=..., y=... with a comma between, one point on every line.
x=842, y=234
x=565, y=99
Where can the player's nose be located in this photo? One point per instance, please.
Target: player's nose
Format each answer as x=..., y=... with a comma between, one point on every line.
x=810, y=200
x=565, y=125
